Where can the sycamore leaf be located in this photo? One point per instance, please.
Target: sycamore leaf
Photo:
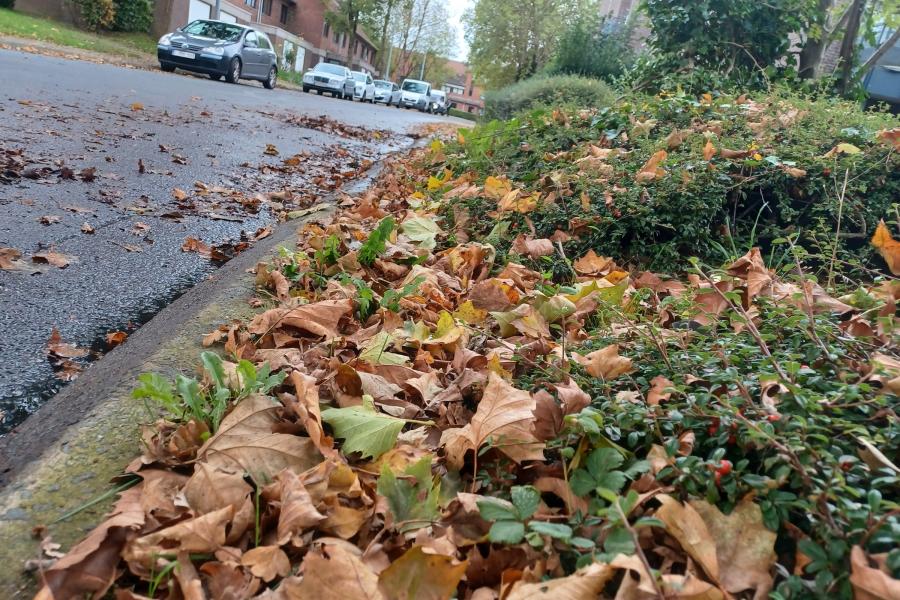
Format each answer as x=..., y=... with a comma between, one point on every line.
x=496, y=187
x=267, y=562
x=412, y=497
x=375, y=351
x=363, y=429
x=651, y=169
x=421, y=231
x=584, y=584
x=842, y=149
x=335, y=574
x=870, y=583
x=604, y=363
x=686, y=525
x=420, y=576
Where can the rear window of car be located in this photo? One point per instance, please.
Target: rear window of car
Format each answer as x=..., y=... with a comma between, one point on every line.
x=215, y=30
x=382, y=84
x=417, y=87
x=329, y=68
x=358, y=76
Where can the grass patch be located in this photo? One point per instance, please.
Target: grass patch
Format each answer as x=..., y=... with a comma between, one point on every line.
x=46, y=30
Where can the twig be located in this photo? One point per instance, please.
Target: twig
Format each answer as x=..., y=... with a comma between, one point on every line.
x=639, y=551
x=838, y=230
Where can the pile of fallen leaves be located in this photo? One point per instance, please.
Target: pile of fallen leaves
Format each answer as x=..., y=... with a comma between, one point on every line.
x=433, y=427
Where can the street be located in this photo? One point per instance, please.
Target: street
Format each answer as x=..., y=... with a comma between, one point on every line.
x=122, y=188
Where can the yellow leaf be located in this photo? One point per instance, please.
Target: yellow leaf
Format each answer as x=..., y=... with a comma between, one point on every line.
x=709, y=150
x=887, y=246
x=136, y=106
x=420, y=576
x=842, y=149
x=707, y=98
x=604, y=363
x=469, y=314
x=460, y=138
x=434, y=183
x=497, y=187
x=437, y=145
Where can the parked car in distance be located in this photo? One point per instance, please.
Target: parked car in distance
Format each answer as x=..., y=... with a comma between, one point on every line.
x=387, y=92
x=364, y=87
x=415, y=94
x=439, y=103
x=331, y=78
x=219, y=49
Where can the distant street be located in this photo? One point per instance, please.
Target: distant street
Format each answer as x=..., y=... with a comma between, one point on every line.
x=111, y=170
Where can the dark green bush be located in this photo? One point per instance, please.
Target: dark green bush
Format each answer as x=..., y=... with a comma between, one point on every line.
x=714, y=210
x=7, y=3
x=594, y=47
x=133, y=15
x=557, y=90
x=97, y=14
x=453, y=112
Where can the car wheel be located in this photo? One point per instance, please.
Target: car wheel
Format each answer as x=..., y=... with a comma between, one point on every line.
x=269, y=83
x=234, y=70
x=166, y=67
x=319, y=92
x=305, y=90
x=388, y=104
x=215, y=76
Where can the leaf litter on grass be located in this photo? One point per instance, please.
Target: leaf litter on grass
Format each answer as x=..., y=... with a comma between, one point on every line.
x=437, y=433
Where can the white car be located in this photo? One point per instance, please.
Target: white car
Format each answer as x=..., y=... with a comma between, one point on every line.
x=364, y=87
x=387, y=92
x=331, y=78
x=415, y=94
x=439, y=103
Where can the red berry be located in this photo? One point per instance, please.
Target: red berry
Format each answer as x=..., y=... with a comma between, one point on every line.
x=724, y=467
x=774, y=418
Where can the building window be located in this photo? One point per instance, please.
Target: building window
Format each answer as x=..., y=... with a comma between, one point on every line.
x=285, y=10
x=267, y=7
x=325, y=29
x=250, y=3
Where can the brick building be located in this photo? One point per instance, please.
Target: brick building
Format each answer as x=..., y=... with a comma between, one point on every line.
x=462, y=90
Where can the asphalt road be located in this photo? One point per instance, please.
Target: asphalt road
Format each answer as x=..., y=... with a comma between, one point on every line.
x=103, y=148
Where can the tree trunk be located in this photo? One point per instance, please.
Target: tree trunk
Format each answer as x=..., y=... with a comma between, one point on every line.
x=848, y=44
x=811, y=54
x=382, y=60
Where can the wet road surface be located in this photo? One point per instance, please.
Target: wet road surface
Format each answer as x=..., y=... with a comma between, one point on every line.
x=115, y=168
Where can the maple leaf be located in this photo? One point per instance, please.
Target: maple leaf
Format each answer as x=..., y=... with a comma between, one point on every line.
x=887, y=246
x=364, y=429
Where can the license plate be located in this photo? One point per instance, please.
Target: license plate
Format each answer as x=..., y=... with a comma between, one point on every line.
x=183, y=54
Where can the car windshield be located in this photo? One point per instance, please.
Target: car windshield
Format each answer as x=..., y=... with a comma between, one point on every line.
x=214, y=30
x=330, y=69
x=414, y=86
x=438, y=95
x=358, y=76
x=382, y=84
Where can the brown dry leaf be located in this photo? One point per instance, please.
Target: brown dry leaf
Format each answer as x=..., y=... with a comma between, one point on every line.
x=10, y=259
x=604, y=363
x=752, y=269
x=659, y=387
x=210, y=489
x=506, y=415
x=496, y=188
x=593, y=264
x=870, y=583
x=202, y=534
x=309, y=413
x=57, y=347
x=271, y=150
x=267, y=562
x=245, y=441
x=676, y=138
x=90, y=566
x=227, y=581
x=179, y=194
x=890, y=137
x=532, y=248
x=49, y=219
x=887, y=246
x=53, y=258
x=115, y=338
x=745, y=548
x=298, y=513
x=319, y=319
x=418, y=575
x=335, y=574
x=651, y=169
x=136, y=106
x=87, y=228
x=584, y=584
x=686, y=525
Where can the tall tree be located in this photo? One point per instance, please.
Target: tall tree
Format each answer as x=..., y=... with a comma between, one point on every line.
x=346, y=18
x=510, y=40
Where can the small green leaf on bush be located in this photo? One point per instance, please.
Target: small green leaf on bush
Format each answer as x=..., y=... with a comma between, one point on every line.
x=507, y=532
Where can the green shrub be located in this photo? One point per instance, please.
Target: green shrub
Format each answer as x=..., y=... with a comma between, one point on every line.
x=594, y=47
x=7, y=3
x=97, y=14
x=557, y=90
x=133, y=15
x=785, y=187
x=454, y=112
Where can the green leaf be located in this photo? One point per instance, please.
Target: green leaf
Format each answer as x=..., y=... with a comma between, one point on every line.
x=495, y=509
x=375, y=351
x=376, y=243
x=603, y=460
x=507, y=532
x=554, y=530
x=413, y=497
x=421, y=231
x=619, y=541
x=526, y=499
x=363, y=429
x=582, y=483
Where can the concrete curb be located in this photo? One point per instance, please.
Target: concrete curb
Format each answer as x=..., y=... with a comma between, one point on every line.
x=68, y=452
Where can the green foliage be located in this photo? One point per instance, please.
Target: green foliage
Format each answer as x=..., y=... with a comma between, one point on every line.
x=97, y=14
x=376, y=243
x=694, y=210
x=453, y=112
x=7, y=3
x=512, y=520
x=363, y=429
x=413, y=497
x=330, y=252
x=187, y=398
x=557, y=90
x=594, y=47
x=132, y=15
x=740, y=39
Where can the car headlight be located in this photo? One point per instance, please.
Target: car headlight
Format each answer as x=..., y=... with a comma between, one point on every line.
x=164, y=40
x=214, y=50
